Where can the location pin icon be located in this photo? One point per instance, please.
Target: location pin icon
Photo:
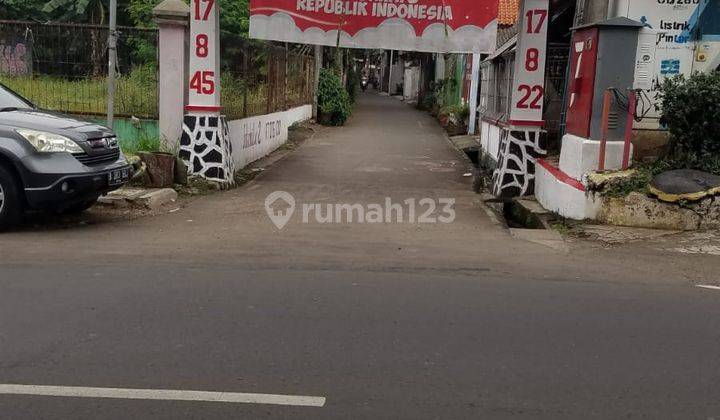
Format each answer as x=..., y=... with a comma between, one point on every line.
x=280, y=207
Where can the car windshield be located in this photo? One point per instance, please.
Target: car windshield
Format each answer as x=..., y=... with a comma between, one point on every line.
x=11, y=100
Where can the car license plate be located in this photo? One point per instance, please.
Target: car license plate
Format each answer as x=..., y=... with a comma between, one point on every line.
x=118, y=177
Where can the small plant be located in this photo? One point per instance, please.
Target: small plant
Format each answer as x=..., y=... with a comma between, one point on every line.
x=463, y=113
x=457, y=114
x=635, y=180
x=143, y=142
x=148, y=144
x=691, y=110
x=333, y=99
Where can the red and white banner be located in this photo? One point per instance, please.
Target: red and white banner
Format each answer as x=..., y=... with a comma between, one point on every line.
x=459, y=26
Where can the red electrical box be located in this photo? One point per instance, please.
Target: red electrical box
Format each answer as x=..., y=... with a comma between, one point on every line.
x=603, y=57
x=582, y=81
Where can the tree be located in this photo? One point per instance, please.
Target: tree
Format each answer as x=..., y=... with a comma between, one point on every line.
x=234, y=16
x=93, y=11
x=87, y=11
x=22, y=10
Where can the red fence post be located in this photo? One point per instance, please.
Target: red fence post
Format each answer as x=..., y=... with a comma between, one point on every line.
x=632, y=101
x=607, y=99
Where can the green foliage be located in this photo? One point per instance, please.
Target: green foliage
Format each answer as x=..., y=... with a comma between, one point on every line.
x=143, y=50
x=80, y=11
x=136, y=93
x=143, y=143
x=637, y=181
x=234, y=15
x=239, y=94
x=21, y=9
x=463, y=112
x=445, y=91
x=93, y=11
x=427, y=101
x=333, y=100
x=691, y=110
x=459, y=112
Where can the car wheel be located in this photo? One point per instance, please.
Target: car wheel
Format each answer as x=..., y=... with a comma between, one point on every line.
x=10, y=200
x=78, y=207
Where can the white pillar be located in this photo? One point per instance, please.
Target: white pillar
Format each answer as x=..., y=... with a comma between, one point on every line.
x=474, y=92
x=392, y=53
x=205, y=144
x=172, y=18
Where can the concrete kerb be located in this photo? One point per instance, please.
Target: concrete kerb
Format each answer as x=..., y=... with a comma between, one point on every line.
x=146, y=198
x=494, y=215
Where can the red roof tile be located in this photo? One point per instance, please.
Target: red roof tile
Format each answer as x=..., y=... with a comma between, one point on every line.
x=508, y=11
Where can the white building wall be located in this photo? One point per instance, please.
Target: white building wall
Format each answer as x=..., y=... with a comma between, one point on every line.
x=675, y=52
x=411, y=83
x=256, y=137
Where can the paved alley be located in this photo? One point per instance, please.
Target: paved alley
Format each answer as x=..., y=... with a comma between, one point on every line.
x=376, y=320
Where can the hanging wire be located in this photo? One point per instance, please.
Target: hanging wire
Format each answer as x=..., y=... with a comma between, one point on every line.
x=643, y=104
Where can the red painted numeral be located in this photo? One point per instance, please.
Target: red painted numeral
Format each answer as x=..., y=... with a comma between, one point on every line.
x=532, y=59
x=530, y=15
x=201, y=45
x=199, y=15
x=539, y=92
x=203, y=82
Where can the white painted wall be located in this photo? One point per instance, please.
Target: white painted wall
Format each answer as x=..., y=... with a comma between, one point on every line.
x=490, y=140
x=439, y=67
x=398, y=73
x=256, y=137
x=580, y=155
x=494, y=141
x=411, y=83
x=564, y=199
x=484, y=134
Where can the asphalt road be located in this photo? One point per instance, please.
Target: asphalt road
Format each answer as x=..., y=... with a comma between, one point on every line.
x=391, y=321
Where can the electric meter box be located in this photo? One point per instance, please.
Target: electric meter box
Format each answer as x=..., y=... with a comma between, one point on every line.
x=645, y=59
x=603, y=55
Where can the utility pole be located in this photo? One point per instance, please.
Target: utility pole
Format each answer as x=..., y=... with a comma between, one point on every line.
x=112, y=62
x=392, y=53
x=318, y=65
x=474, y=93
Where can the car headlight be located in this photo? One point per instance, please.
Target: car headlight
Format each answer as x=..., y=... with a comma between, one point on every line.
x=49, y=142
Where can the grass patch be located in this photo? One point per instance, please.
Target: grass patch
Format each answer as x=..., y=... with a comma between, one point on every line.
x=137, y=94
x=621, y=184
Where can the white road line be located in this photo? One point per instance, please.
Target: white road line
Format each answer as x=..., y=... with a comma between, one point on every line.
x=161, y=394
x=706, y=286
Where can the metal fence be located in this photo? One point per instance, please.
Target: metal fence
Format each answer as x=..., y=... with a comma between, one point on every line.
x=260, y=77
x=63, y=67
x=555, y=85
